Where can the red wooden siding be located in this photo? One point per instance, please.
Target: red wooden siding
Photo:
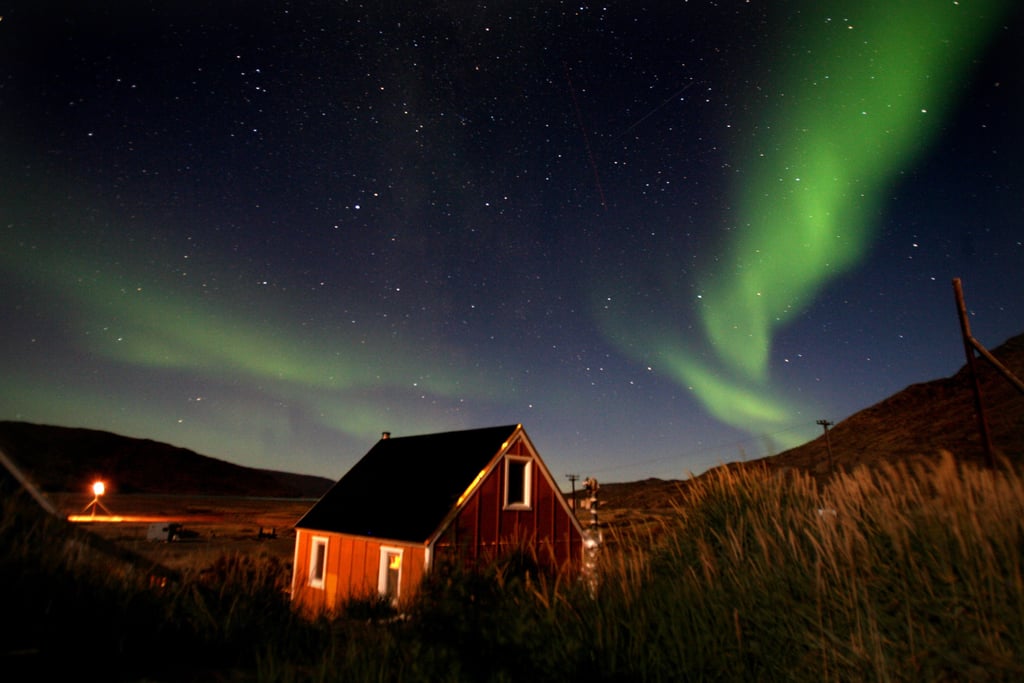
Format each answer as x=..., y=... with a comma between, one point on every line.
x=352, y=569
x=484, y=529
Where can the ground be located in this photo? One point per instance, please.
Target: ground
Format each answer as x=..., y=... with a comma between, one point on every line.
x=214, y=525
x=222, y=525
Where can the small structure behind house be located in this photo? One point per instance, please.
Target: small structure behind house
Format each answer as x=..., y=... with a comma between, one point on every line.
x=164, y=532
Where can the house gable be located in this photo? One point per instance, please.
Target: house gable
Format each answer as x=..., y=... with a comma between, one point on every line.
x=504, y=509
x=404, y=487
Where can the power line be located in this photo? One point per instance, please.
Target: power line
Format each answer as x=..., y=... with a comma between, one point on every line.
x=656, y=109
x=586, y=140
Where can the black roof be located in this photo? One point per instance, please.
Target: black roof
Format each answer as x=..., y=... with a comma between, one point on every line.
x=404, y=487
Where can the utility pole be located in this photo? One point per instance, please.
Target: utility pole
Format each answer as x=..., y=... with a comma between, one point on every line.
x=828, y=444
x=572, y=479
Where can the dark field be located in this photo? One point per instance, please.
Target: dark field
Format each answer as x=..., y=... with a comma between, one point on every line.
x=214, y=525
x=907, y=572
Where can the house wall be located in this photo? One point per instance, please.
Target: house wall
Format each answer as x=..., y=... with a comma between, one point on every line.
x=484, y=529
x=352, y=570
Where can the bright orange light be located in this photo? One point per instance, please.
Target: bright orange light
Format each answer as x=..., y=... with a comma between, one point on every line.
x=103, y=518
x=396, y=562
x=99, y=489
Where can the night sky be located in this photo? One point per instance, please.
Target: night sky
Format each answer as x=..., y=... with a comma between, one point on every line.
x=661, y=236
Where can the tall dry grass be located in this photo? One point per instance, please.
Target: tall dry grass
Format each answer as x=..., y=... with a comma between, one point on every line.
x=919, y=574
x=897, y=573
x=908, y=572
x=75, y=607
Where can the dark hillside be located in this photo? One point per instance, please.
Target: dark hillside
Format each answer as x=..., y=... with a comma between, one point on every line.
x=924, y=419
x=917, y=422
x=68, y=459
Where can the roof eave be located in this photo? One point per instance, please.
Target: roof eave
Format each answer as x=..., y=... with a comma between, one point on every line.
x=475, y=485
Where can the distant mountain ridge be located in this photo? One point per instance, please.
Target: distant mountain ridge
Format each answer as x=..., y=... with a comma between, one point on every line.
x=924, y=419
x=916, y=423
x=69, y=459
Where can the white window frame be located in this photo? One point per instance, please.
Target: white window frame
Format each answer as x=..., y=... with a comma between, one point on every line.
x=382, y=574
x=317, y=575
x=527, y=500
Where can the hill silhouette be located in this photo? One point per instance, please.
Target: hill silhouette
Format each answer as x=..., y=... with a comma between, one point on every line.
x=60, y=459
x=925, y=419
x=916, y=423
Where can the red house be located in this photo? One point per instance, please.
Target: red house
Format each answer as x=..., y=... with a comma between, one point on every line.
x=413, y=502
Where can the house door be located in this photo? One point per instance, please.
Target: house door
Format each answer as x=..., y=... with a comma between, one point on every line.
x=389, y=579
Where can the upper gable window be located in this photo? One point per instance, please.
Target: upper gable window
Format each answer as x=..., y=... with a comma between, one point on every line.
x=517, y=482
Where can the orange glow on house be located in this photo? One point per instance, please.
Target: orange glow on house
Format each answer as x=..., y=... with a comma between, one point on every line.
x=469, y=489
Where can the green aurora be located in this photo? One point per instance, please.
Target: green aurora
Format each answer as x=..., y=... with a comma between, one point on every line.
x=280, y=297
x=142, y=319
x=858, y=95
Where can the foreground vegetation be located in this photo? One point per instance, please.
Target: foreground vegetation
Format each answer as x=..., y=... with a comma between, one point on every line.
x=901, y=573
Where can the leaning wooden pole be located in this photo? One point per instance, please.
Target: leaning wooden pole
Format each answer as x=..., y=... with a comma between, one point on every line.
x=26, y=483
x=979, y=404
x=1000, y=368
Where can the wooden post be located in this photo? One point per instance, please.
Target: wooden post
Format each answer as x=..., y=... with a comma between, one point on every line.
x=592, y=538
x=979, y=404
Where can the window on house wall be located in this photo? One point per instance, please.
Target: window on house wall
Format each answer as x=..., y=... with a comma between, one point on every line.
x=517, y=482
x=388, y=581
x=317, y=561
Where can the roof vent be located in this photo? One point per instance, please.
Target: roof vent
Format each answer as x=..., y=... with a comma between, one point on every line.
x=385, y=435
